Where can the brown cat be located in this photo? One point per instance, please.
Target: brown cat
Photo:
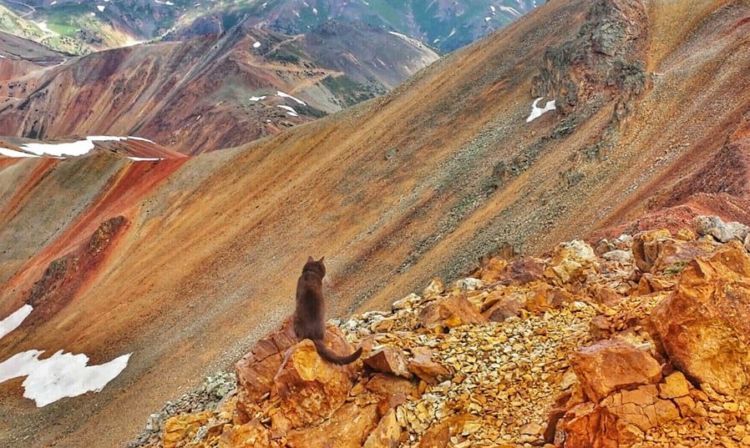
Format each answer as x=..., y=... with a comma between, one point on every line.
x=309, y=317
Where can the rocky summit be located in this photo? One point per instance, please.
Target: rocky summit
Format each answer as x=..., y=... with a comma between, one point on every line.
x=637, y=341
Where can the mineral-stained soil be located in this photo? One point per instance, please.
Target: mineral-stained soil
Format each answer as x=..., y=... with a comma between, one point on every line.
x=204, y=93
x=421, y=182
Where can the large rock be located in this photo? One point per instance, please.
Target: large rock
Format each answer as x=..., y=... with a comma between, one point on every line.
x=434, y=289
x=425, y=368
x=388, y=360
x=705, y=325
x=646, y=247
x=392, y=391
x=655, y=251
x=611, y=365
x=387, y=434
x=183, y=427
x=535, y=297
x=348, y=427
x=445, y=433
x=570, y=262
x=721, y=231
x=309, y=389
x=524, y=270
x=257, y=369
x=450, y=312
x=248, y=435
x=619, y=420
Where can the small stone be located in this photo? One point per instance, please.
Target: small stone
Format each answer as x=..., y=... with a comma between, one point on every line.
x=532, y=429
x=675, y=385
x=388, y=360
x=425, y=368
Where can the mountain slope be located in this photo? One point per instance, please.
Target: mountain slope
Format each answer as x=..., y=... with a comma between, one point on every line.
x=20, y=25
x=420, y=182
x=446, y=25
x=206, y=93
x=19, y=57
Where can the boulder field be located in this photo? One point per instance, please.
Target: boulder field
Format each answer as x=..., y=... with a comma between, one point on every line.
x=638, y=341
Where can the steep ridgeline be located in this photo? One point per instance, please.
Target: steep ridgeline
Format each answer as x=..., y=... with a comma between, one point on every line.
x=581, y=118
x=208, y=93
x=639, y=342
x=84, y=25
x=19, y=57
x=442, y=24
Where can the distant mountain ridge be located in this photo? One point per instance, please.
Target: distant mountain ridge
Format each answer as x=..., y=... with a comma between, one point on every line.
x=206, y=93
x=636, y=128
x=95, y=25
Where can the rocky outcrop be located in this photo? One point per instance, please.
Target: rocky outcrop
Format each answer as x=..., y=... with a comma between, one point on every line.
x=605, y=58
x=65, y=276
x=704, y=325
x=571, y=371
x=609, y=366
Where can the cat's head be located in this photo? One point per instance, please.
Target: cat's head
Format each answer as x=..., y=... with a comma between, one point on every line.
x=317, y=266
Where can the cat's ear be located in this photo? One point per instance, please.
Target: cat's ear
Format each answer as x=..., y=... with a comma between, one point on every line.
x=321, y=259
x=310, y=259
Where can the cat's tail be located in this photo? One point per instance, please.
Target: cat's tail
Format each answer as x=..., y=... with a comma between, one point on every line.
x=332, y=357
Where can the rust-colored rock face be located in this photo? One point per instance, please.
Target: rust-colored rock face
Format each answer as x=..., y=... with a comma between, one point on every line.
x=452, y=312
x=388, y=360
x=417, y=184
x=704, y=325
x=309, y=389
x=257, y=369
x=609, y=366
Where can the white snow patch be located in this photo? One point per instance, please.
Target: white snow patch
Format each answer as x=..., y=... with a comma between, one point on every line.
x=145, y=159
x=290, y=111
x=487, y=19
x=140, y=139
x=13, y=321
x=537, y=112
x=59, y=376
x=105, y=138
x=2, y=57
x=101, y=8
x=257, y=45
x=510, y=10
x=255, y=99
x=286, y=95
x=77, y=148
x=15, y=154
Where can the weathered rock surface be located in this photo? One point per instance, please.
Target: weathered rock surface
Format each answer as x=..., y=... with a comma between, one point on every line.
x=721, y=231
x=308, y=389
x=388, y=360
x=704, y=325
x=517, y=360
x=451, y=312
x=609, y=366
